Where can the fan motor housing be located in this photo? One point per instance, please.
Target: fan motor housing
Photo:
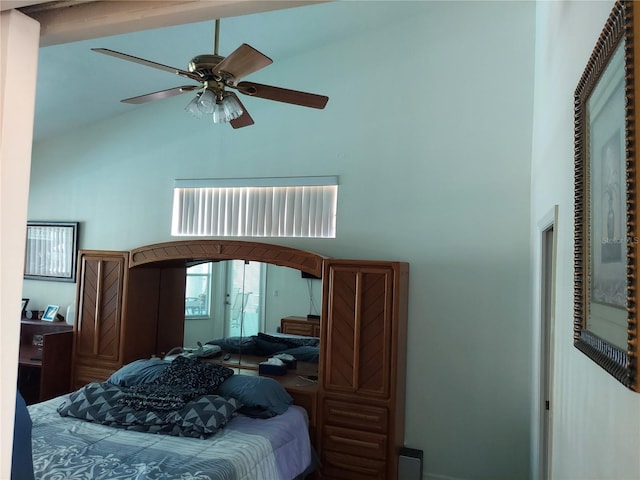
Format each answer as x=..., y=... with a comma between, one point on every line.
x=204, y=64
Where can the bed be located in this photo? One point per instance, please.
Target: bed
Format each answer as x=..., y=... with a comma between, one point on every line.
x=302, y=348
x=259, y=435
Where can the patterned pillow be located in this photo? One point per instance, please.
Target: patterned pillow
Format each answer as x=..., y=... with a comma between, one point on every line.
x=184, y=380
x=205, y=415
x=87, y=402
x=191, y=373
x=101, y=403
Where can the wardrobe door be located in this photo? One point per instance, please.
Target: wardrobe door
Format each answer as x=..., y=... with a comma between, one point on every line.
x=97, y=346
x=359, y=322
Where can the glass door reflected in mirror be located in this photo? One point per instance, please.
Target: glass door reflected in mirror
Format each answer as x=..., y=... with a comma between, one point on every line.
x=244, y=293
x=197, y=302
x=215, y=299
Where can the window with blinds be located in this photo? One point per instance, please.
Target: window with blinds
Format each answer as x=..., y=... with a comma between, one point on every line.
x=256, y=207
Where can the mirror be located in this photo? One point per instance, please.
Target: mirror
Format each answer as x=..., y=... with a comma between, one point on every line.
x=222, y=296
x=163, y=265
x=606, y=230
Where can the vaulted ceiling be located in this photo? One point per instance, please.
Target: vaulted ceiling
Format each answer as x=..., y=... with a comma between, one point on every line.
x=76, y=86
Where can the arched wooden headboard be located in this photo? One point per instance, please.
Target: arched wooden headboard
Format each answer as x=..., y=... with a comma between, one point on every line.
x=194, y=250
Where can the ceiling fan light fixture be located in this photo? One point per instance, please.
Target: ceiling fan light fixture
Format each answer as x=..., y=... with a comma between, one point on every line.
x=216, y=73
x=193, y=108
x=226, y=109
x=206, y=102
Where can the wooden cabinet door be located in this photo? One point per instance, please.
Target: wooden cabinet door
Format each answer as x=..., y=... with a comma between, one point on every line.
x=357, y=337
x=100, y=291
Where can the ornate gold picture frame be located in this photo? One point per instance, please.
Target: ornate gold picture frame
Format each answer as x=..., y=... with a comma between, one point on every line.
x=606, y=230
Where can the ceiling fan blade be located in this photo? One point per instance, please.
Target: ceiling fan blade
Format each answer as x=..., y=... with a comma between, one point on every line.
x=243, y=120
x=148, y=63
x=241, y=62
x=171, y=92
x=283, y=95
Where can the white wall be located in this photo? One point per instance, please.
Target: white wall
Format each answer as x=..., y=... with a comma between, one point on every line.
x=429, y=129
x=19, y=37
x=595, y=420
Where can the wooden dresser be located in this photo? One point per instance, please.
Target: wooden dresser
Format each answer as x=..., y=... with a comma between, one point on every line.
x=44, y=369
x=300, y=326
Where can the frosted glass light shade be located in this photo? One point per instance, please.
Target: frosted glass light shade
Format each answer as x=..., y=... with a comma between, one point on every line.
x=226, y=110
x=206, y=102
x=192, y=107
x=221, y=110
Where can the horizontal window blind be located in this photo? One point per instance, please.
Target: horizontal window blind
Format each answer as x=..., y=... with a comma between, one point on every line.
x=261, y=207
x=46, y=253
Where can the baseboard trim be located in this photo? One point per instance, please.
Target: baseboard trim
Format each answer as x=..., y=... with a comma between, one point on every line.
x=434, y=476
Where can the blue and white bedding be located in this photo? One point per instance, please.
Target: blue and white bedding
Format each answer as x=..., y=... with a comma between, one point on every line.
x=246, y=448
x=303, y=349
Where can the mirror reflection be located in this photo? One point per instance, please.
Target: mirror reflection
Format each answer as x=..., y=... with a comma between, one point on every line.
x=238, y=298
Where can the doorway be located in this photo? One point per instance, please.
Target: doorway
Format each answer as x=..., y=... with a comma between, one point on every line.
x=547, y=317
x=244, y=291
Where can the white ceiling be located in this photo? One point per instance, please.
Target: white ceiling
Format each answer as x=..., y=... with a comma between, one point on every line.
x=77, y=86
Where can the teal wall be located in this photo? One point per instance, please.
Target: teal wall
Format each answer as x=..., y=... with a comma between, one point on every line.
x=429, y=127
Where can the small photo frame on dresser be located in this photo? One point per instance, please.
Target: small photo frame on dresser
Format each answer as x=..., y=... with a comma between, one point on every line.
x=23, y=310
x=50, y=313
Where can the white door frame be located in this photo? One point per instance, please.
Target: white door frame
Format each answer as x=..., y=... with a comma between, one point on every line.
x=546, y=254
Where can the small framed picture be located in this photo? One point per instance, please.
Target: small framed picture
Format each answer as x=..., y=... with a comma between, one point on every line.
x=23, y=311
x=50, y=312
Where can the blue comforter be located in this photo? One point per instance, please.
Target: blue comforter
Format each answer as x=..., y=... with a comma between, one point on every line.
x=245, y=449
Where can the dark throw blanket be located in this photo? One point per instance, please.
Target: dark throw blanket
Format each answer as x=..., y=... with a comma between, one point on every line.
x=181, y=382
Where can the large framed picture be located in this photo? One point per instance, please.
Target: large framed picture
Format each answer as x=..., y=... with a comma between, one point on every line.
x=51, y=251
x=606, y=230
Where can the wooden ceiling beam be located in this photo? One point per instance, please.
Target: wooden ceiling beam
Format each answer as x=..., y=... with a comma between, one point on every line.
x=64, y=21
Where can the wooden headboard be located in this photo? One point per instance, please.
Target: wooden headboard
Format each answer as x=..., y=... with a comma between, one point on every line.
x=194, y=250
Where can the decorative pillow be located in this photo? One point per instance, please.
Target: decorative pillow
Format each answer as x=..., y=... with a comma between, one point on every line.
x=267, y=348
x=304, y=354
x=182, y=381
x=256, y=391
x=87, y=402
x=191, y=373
x=205, y=415
x=101, y=403
x=138, y=372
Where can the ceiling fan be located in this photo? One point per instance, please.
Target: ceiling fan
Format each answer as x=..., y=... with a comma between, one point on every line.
x=216, y=75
